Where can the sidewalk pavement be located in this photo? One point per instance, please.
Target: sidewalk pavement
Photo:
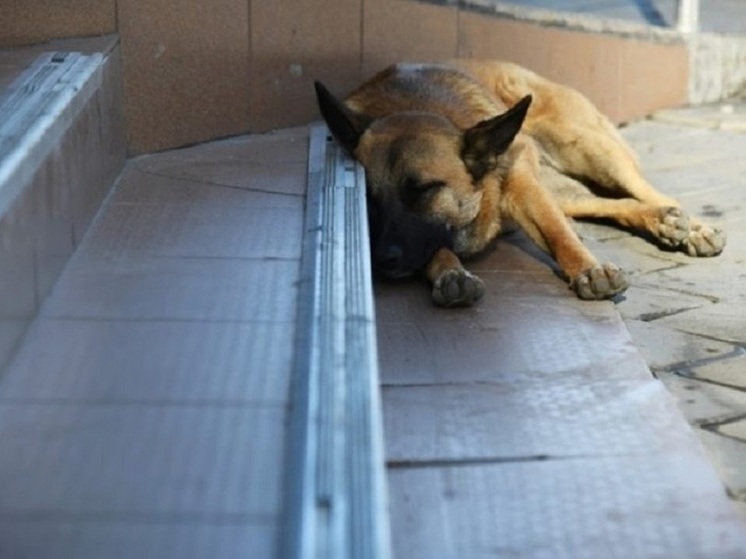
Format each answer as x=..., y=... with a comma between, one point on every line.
x=686, y=315
x=715, y=16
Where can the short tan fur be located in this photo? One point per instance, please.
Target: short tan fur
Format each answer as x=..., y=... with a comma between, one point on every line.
x=475, y=144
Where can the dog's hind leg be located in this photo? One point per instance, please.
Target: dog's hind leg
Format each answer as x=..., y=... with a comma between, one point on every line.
x=669, y=226
x=582, y=143
x=593, y=151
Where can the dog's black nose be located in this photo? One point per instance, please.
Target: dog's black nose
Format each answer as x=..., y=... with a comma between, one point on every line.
x=391, y=258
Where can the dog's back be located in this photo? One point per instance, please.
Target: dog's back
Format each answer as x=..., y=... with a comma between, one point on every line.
x=446, y=90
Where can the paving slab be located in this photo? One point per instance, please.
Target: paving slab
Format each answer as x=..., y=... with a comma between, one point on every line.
x=687, y=317
x=563, y=509
x=730, y=373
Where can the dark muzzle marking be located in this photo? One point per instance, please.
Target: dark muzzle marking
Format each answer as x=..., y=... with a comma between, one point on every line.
x=402, y=243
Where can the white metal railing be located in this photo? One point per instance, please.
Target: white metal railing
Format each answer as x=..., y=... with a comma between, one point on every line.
x=688, y=16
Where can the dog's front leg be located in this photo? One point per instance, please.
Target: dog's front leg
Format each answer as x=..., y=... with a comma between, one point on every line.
x=453, y=285
x=536, y=212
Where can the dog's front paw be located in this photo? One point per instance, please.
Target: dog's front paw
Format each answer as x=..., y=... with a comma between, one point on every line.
x=704, y=240
x=600, y=282
x=457, y=288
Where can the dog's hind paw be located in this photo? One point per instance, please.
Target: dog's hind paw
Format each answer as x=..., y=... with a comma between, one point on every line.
x=676, y=230
x=600, y=282
x=672, y=226
x=704, y=240
x=457, y=288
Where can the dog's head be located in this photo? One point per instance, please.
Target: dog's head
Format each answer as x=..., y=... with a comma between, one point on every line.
x=424, y=176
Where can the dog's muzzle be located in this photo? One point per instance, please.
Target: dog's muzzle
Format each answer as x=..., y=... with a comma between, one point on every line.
x=402, y=243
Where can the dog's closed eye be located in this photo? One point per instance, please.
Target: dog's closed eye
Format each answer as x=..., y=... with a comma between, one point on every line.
x=415, y=184
x=430, y=185
x=416, y=192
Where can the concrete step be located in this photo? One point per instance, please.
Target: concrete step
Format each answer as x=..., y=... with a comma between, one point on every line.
x=145, y=411
x=170, y=328
x=62, y=145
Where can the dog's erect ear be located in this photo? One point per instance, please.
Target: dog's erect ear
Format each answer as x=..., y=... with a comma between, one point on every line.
x=346, y=125
x=488, y=139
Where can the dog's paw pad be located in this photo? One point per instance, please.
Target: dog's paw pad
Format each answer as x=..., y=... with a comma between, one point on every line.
x=673, y=226
x=600, y=282
x=704, y=240
x=457, y=288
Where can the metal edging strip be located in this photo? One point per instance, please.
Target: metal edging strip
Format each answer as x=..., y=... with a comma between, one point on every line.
x=336, y=498
x=36, y=109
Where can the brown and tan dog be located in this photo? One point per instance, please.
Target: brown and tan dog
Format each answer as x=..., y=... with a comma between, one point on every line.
x=448, y=165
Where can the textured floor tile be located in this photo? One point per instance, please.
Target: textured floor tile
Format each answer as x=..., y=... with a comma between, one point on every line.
x=527, y=340
x=146, y=463
x=504, y=293
x=493, y=421
x=274, y=163
x=289, y=178
x=138, y=188
x=195, y=230
x=94, y=539
x=513, y=269
x=289, y=145
x=671, y=506
x=17, y=266
x=153, y=424
x=118, y=362
x=176, y=289
x=11, y=333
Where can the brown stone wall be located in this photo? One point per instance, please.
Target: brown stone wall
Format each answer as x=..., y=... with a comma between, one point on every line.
x=24, y=22
x=186, y=70
x=196, y=70
x=626, y=78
